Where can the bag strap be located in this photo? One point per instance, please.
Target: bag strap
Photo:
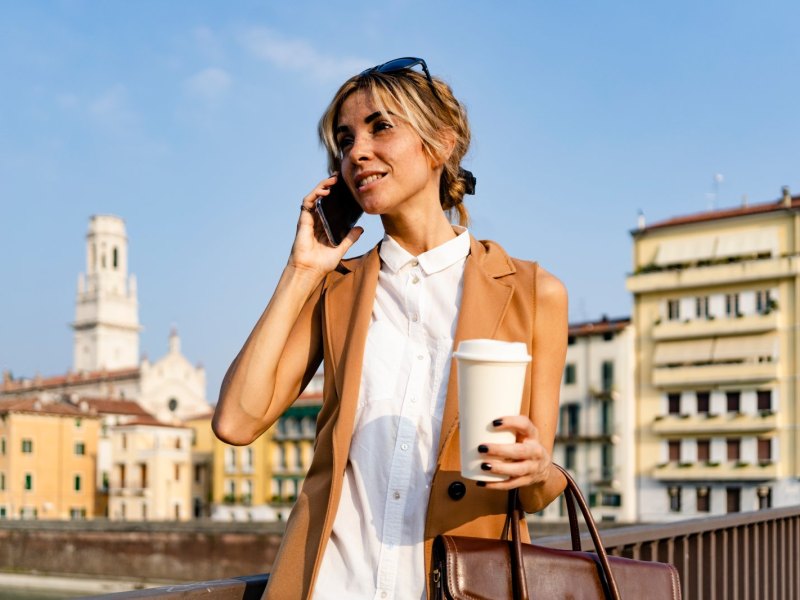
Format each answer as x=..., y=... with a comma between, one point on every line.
x=573, y=496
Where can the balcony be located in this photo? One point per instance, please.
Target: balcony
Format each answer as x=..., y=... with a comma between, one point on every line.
x=717, y=424
x=747, y=556
x=713, y=275
x=714, y=374
x=711, y=471
x=700, y=328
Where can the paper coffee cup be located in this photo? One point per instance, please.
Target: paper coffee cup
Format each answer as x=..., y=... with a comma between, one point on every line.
x=491, y=375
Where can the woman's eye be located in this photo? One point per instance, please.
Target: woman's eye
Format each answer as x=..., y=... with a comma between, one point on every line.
x=381, y=125
x=345, y=142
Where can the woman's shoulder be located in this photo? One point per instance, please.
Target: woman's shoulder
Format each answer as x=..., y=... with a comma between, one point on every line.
x=549, y=288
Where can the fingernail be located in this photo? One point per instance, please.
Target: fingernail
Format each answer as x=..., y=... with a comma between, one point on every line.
x=497, y=422
x=481, y=483
x=486, y=466
x=483, y=448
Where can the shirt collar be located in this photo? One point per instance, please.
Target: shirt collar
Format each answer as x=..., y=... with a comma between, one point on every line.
x=395, y=257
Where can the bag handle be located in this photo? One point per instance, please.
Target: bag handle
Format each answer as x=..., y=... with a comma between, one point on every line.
x=573, y=494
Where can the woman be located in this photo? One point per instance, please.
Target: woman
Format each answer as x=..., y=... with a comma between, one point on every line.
x=385, y=476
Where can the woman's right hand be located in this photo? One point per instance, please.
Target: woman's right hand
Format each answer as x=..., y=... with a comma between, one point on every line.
x=311, y=249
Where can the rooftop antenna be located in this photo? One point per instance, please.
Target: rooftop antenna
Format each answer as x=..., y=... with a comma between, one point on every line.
x=714, y=195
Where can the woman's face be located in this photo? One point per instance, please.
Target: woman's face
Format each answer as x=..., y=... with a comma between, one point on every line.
x=382, y=159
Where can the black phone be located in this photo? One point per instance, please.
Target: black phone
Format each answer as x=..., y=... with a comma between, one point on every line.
x=338, y=212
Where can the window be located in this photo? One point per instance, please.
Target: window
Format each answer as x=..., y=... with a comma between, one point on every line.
x=77, y=483
x=3, y=513
x=230, y=459
x=80, y=448
x=247, y=459
x=763, y=302
x=198, y=473
x=674, y=498
x=115, y=257
x=121, y=476
x=674, y=450
x=28, y=481
x=606, y=418
x=764, y=400
x=703, y=451
x=734, y=448
x=673, y=310
x=611, y=499
x=3, y=446
x=608, y=336
x=569, y=456
x=732, y=305
x=569, y=374
x=607, y=374
x=674, y=404
x=733, y=499
x=27, y=446
x=78, y=423
x=701, y=307
x=570, y=340
x=703, y=499
x=142, y=475
x=764, y=495
x=124, y=441
x=703, y=402
x=2, y=482
x=177, y=472
x=247, y=491
x=607, y=462
x=765, y=450
x=734, y=401
x=572, y=420
x=172, y=404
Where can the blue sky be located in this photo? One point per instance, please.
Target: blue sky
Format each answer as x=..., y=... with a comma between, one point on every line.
x=195, y=121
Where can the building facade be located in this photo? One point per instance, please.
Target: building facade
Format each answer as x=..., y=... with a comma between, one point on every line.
x=48, y=453
x=716, y=314
x=595, y=438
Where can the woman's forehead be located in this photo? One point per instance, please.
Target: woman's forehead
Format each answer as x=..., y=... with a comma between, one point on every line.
x=363, y=103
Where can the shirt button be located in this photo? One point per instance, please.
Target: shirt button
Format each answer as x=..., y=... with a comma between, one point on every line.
x=404, y=446
x=414, y=263
x=396, y=495
x=415, y=279
x=420, y=357
x=384, y=594
x=413, y=399
x=415, y=318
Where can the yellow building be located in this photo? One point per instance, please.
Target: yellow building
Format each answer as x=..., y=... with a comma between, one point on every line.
x=203, y=442
x=716, y=314
x=48, y=451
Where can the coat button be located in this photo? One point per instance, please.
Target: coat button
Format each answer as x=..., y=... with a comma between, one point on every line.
x=457, y=490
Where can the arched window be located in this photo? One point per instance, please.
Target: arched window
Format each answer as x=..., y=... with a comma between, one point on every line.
x=173, y=404
x=114, y=258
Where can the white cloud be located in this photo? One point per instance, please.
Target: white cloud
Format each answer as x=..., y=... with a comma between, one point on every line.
x=210, y=84
x=298, y=55
x=112, y=109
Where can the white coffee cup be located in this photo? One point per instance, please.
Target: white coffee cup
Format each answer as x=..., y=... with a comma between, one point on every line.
x=491, y=375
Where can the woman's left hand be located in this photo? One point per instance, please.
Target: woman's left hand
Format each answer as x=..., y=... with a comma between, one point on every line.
x=525, y=462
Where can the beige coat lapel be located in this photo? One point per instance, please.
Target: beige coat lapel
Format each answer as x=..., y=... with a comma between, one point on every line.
x=484, y=302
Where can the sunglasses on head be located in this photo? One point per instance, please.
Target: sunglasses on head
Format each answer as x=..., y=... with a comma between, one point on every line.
x=409, y=62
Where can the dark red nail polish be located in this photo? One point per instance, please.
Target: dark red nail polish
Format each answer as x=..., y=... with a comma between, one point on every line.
x=486, y=466
x=483, y=448
x=481, y=483
x=497, y=422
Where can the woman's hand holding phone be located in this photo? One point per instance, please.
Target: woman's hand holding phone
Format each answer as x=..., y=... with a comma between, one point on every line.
x=312, y=249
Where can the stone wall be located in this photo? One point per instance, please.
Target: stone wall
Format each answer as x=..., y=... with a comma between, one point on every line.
x=164, y=552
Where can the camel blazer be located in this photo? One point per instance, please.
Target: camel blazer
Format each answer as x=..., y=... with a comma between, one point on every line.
x=498, y=302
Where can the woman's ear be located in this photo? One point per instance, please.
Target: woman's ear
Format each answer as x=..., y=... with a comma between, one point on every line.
x=448, y=141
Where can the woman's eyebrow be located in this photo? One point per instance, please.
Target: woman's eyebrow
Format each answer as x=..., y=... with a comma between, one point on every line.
x=368, y=119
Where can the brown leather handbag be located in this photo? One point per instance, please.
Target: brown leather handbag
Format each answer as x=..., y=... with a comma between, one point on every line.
x=479, y=568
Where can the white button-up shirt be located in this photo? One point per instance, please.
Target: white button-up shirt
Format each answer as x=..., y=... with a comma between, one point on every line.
x=376, y=547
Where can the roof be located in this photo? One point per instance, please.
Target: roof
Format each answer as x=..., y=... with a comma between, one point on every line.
x=724, y=213
x=604, y=325
x=68, y=379
x=114, y=406
x=33, y=405
x=150, y=421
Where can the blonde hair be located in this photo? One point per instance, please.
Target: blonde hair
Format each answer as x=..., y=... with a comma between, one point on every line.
x=411, y=97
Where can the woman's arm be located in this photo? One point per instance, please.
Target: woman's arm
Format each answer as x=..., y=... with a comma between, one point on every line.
x=528, y=462
x=267, y=374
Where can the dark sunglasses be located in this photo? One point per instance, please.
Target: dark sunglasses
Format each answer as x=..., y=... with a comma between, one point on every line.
x=400, y=64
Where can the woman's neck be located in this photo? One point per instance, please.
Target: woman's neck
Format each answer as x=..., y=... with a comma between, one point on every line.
x=420, y=231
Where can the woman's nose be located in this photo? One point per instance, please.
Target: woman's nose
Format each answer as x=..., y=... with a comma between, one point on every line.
x=362, y=148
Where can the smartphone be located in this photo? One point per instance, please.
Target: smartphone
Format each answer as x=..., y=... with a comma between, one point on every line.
x=338, y=212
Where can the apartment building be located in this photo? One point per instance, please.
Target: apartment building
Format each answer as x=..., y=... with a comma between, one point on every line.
x=595, y=437
x=716, y=317
x=48, y=451
x=203, y=442
x=151, y=477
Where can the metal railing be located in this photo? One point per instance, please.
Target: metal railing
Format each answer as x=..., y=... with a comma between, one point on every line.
x=747, y=556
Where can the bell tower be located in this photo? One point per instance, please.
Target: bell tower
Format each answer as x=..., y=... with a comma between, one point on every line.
x=106, y=309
